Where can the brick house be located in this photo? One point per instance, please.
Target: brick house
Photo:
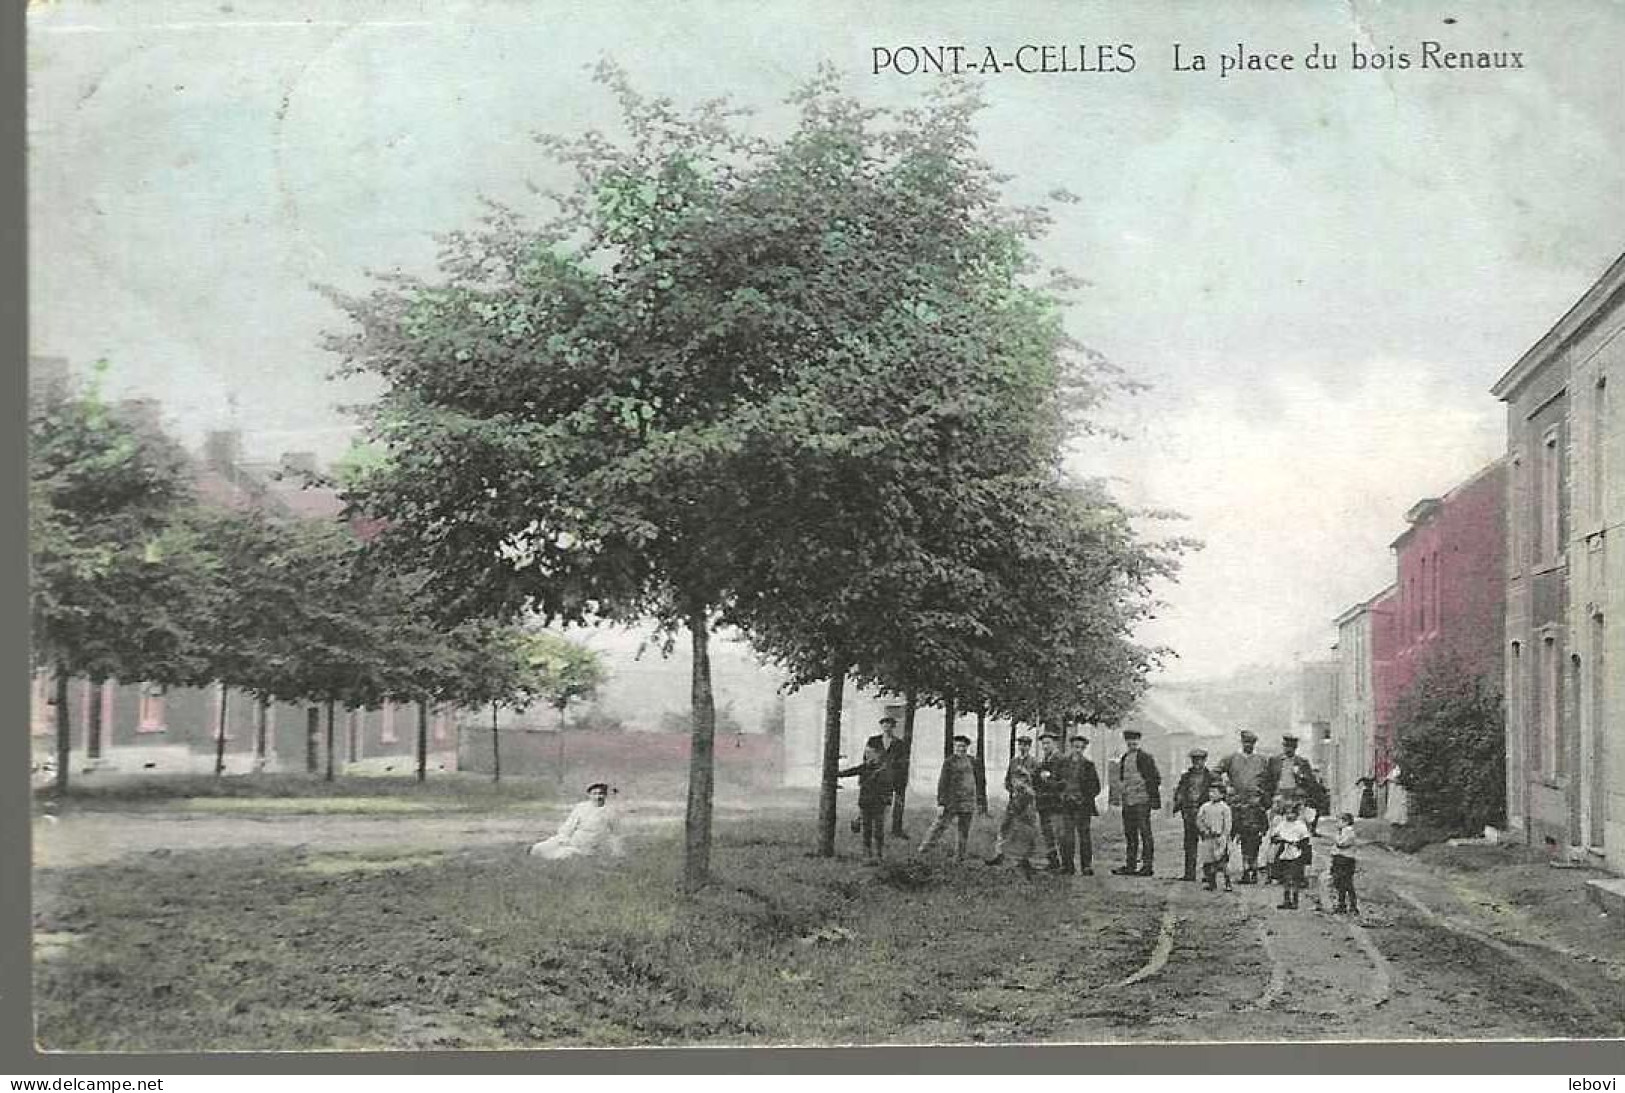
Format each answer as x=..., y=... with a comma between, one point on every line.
x=151, y=727
x=1565, y=579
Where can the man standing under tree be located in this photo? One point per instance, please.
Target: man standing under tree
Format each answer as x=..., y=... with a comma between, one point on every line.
x=1245, y=770
x=1140, y=786
x=1047, y=796
x=890, y=745
x=1080, y=785
x=1021, y=765
x=1189, y=796
x=956, y=797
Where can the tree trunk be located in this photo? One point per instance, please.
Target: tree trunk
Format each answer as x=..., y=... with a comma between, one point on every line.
x=909, y=704
x=262, y=730
x=329, y=775
x=697, y=821
x=423, y=741
x=313, y=733
x=220, y=732
x=93, y=723
x=496, y=749
x=949, y=716
x=1012, y=752
x=352, y=733
x=64, y=743
x=832, y=761
x=981, y=761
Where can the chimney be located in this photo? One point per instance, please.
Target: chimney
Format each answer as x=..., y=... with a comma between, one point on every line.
x=223, y=450
x=296, y=464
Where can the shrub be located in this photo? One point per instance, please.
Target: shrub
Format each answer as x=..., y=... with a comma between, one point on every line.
x=1452, y=748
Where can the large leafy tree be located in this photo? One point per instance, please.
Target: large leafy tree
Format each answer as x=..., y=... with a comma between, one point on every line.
x=634, y=408
x=104, y=486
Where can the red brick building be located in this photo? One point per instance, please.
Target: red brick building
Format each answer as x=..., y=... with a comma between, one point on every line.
x=1449, y=598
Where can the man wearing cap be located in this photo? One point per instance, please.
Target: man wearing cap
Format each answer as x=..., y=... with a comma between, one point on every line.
x=1244, y=770
x=1290, y=775
x=1189, y=796
x=1140, y=788
x=1080, y=785
x=1047, y=779
x=591, y=829
x=956, y=797
x=890, y=746
x=1021, y=766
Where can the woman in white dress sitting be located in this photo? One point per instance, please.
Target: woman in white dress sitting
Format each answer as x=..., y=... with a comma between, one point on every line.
x=591, y=830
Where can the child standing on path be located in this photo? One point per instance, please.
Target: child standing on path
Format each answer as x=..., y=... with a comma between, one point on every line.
x=1291, y=843
x=874, y=798
x=1343, y=867
x=1213, y=828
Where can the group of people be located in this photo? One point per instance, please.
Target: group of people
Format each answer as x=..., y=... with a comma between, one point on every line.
x=1268, y=806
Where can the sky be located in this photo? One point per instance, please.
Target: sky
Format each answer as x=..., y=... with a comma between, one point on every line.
x=1317, y=274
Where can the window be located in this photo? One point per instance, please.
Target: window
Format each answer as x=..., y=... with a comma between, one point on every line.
x=1548, y=544
x=1438, y=618
x=1422, y=600
x=1551, y=681
x=1521, y=736
x=150, y=713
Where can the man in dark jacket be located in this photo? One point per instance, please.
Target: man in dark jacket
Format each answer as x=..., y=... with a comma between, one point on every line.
x=895, y=752
x=1047, y=796
x=1291, y=775
x=1080, y=785
x=874, y=799
x=1140, y=790
x=956, y=797
x=1189, y=795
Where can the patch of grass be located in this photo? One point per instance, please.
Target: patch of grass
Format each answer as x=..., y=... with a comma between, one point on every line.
x=275, y=949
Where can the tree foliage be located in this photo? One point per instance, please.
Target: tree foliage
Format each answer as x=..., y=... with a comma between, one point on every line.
x=1451, y=732
x=812, y=386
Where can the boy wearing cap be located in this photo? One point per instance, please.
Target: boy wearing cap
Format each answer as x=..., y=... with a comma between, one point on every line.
x=1140, y=785
x=1022, y=766
x=956, y=797
x=591, y=828
x=1080, y=785
x=1189, y=796
x=1245, y=771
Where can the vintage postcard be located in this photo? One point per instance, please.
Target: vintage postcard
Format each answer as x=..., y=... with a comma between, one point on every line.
x=626, y=525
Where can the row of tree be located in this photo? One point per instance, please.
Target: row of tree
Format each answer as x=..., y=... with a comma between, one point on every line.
x=134, y=580
x=814, y=388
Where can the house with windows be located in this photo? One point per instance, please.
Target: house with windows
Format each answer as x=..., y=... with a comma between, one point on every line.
x=1449, y=600
x=1364, y=656
x=1565, y=579
x=124, y=727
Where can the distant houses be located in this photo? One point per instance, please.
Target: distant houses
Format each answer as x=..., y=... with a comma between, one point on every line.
x=1513, y=576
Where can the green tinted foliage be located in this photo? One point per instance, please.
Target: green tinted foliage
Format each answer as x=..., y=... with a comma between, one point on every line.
x=1452, y=748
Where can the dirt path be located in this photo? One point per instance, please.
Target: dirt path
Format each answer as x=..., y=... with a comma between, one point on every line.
x=1420, y=961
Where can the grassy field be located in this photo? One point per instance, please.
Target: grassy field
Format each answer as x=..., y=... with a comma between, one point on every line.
x=299, y=791
x=283, y=949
